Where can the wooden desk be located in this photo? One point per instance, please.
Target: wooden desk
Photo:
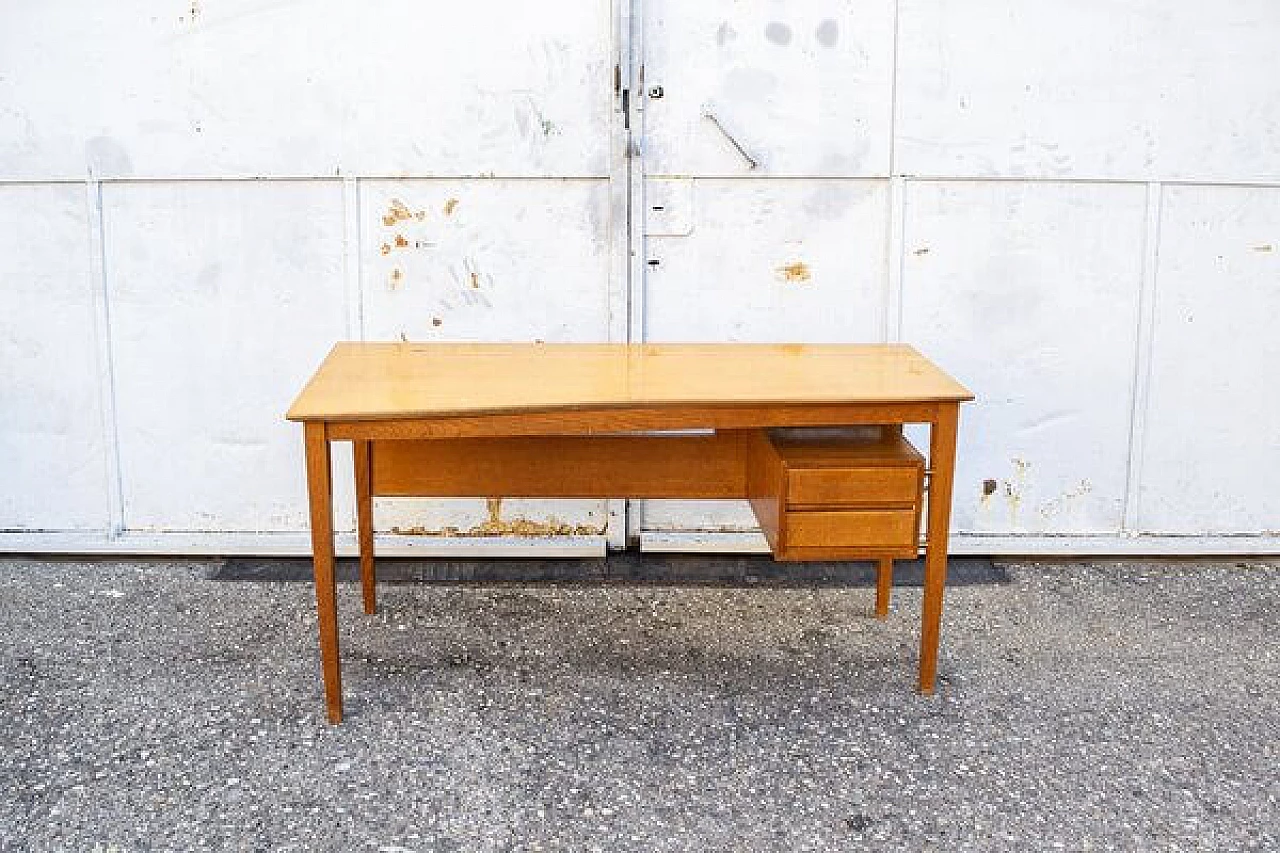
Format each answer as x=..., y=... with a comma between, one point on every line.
x=577, y=421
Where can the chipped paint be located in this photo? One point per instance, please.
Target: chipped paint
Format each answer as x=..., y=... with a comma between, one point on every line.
x=797, y=272
x=1062, y=503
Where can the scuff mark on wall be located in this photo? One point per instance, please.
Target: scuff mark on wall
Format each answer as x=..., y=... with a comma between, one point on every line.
x=778, y=33
x=828, y=33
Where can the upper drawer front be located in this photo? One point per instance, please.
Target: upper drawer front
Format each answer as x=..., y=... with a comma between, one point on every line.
x=880, y=485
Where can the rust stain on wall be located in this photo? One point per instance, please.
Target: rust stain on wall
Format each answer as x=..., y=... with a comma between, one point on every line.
x=797, y=271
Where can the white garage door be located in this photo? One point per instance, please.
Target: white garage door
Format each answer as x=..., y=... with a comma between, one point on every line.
x=1072, y=207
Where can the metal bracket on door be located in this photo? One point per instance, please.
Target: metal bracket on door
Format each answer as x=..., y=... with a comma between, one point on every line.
x=708, y=113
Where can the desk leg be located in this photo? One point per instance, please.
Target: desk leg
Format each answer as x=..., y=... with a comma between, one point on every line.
x=320, y=491
x=884, y=586
x=363, y=452
x=942, y=463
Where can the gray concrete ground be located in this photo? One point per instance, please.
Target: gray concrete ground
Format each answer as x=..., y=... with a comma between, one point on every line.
x=1084, y=706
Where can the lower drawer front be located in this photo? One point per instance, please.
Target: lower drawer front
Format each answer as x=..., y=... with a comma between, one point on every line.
x=870, y=528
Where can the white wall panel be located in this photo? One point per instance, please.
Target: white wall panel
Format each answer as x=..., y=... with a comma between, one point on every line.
x=762, y=261
x=246, y=87
x=787, y=260
x=997, y=217
x=477, y=260
x=805, y=88
x=1028, y=293
x=1127, y=89
x=486, y=260
x=53, y=472
x=1211, y=457
x=225, y=296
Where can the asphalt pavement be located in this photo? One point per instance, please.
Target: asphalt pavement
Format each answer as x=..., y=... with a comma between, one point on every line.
x=176, y=705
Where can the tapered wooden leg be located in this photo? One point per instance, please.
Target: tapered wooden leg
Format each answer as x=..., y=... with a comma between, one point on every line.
x=884, y=586
x=942, y=463
x=363, y=451
x=320, y=492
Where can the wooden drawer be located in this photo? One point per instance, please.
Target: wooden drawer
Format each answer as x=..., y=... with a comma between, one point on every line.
x=862, y=485
x=893, y=529
x=836, y=496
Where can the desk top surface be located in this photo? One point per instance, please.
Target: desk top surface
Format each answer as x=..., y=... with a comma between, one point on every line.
x=378, y=381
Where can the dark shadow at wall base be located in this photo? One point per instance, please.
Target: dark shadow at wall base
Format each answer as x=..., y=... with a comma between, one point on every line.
x=619, y=567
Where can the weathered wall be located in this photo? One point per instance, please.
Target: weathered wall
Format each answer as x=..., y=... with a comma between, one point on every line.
x=1073, y=207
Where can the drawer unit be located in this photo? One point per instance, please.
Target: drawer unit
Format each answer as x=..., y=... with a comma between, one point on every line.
x=833, y=495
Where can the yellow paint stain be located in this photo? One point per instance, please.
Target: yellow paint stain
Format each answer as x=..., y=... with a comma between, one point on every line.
x=400, y=212
x=496, y=526
x=450, y=206
x=796, y=272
